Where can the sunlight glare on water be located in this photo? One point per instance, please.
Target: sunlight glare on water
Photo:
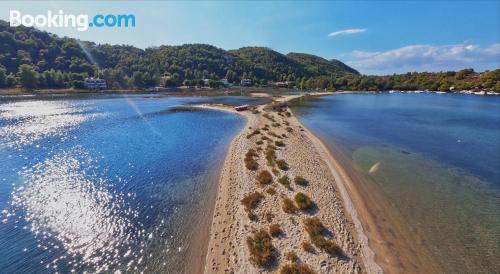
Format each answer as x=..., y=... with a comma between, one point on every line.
x=34, y=120
x=64, y=198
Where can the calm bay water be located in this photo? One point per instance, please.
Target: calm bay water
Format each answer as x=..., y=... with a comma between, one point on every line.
x=434, y=157
x=107, y=183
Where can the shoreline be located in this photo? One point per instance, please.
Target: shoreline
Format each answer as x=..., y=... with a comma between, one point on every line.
x=306, y=156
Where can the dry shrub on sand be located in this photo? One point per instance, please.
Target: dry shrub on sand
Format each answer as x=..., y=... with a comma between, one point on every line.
x=264, y=177
x=275, y=230
x=261, y=248
x=316, y=229
x=252, y=200
x=282, y=164
x=279, y=143
x=303, y=201
x=271, y=191
x=288, y=206
x=307, y=246
x=291, y=256
x=296, y=268
x=285, y=181
x=301, y=181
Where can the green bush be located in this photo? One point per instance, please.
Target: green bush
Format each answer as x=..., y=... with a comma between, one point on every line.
x=303, y=201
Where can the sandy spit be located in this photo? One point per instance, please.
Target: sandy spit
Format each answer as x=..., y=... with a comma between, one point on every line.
x=306, y=157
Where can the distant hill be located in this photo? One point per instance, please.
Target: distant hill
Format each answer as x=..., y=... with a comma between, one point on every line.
x=46, y=52
x=317, y=65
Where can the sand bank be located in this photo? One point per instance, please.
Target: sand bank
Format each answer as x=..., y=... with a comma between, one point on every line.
x=306, y=157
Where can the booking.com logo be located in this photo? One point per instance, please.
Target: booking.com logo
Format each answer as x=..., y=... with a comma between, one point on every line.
x=81, y=22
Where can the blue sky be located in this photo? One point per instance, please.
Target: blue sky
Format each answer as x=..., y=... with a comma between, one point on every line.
x=374, y=37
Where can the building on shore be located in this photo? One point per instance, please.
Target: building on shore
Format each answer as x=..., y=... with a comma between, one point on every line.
x=95, y=83
x=246, y=82
x=284, y=84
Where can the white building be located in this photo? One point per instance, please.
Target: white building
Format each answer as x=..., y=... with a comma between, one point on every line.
x=246, y=82
x=95, y=83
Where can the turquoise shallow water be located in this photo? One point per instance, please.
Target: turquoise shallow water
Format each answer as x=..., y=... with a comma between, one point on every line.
x=107, y=183
x=434, y=157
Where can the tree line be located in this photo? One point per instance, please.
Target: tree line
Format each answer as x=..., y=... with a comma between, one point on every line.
x=35, y=59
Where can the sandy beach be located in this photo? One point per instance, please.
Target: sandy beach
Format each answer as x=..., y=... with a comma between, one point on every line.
x=232, y=223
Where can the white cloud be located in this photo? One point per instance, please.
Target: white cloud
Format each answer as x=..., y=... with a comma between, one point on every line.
x=346, y=31
x=427, y=58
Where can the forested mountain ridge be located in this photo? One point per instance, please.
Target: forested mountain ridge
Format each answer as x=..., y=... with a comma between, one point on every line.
x=36, y=59
x=74, y=59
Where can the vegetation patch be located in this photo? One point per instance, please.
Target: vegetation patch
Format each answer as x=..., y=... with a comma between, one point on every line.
x=308, y=247
x=271, y=191
x=303, y=201
x=264, y=177
x=259, y=142
x=252, y=200
x=269, y=117
x=269, y=217
x=288, y=206
x=270, y=155
x=261, y=248
x=281, y=164
x=291, y=256
x=289, y=129
x=316, y=230
x=296, y=268
x=279, y=143
x=275, y=171
x=285, y=181
x=301, y=181
x=252, y=216
x=250, y=162
x=275, y=230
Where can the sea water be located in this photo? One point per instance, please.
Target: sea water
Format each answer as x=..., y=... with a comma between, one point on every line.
x=434, y=157
x=108, y=183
